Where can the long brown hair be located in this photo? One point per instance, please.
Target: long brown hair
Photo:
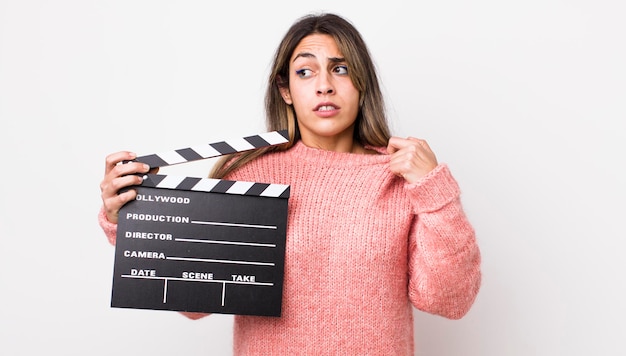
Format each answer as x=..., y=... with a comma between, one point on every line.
x=371, y=126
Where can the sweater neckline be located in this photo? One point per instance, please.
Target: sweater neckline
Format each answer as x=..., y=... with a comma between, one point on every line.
x=332, y=158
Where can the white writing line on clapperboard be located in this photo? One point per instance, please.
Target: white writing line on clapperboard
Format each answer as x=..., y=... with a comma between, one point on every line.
x=221, y=242
x=221, y=261
x=273, y=227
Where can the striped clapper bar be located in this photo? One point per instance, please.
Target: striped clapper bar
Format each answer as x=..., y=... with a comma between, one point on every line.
x=201, y=244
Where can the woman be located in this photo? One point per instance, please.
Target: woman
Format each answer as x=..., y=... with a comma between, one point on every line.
x=375, y=223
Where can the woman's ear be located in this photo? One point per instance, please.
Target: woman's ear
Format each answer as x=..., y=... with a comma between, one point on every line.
x=284, y=92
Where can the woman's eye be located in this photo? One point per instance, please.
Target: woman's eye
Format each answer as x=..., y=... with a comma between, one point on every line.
x=304, y=73
x=341, y=70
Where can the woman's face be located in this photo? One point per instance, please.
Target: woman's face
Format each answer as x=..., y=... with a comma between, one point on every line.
x=321, y=91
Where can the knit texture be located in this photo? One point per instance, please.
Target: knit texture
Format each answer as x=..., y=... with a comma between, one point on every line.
x=363, y=247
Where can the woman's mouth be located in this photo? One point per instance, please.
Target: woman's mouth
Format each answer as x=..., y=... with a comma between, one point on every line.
x=326, y=108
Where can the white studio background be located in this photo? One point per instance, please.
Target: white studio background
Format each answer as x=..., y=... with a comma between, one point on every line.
x=524, y=100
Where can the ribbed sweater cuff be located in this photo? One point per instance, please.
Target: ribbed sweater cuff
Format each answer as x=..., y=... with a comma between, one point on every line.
x=109, y=228
x=434, y=191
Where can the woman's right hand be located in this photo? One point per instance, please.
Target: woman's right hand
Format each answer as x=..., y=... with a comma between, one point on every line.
x=118, y=175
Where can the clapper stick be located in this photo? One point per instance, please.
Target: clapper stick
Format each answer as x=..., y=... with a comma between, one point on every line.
x=215, y=149
x=203, y=244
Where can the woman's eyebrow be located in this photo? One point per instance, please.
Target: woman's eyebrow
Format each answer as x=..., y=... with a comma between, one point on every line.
x=311, y=55
x=336, y=59
x=303, y=54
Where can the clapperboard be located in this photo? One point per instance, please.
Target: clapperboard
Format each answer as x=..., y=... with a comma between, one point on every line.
x=202, y=244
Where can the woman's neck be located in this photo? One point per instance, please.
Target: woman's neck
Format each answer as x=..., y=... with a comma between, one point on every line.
x=344, y=146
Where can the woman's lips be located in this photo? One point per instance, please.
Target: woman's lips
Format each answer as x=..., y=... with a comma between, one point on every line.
x=326, y=109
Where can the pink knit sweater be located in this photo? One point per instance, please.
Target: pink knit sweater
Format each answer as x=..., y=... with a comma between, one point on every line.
x=363, y=246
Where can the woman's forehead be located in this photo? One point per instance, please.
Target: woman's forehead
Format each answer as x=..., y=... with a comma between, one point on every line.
x=315, y=45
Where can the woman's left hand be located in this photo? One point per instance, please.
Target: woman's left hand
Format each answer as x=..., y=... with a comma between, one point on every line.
x=411, y=158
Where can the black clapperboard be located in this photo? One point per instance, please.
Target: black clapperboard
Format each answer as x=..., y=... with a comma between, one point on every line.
x=201, y=244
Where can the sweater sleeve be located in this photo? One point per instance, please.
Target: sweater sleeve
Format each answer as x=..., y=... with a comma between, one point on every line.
x=444, y=258
x=109, y=228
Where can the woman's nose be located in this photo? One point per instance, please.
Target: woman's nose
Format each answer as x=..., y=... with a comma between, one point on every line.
x=324, y=85
x=325, y=90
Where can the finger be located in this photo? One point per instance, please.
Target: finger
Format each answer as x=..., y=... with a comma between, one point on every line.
x=111, y=184
x=113, y=204
x=114, y=159
x=420, y=148
x=420, y=141
x=397, y=143
x=129, y=168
